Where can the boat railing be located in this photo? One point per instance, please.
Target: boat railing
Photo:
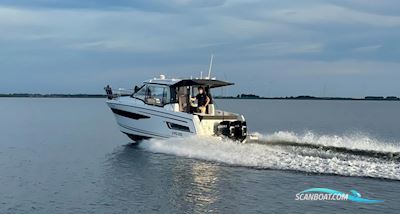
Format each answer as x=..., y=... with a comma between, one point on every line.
x=115, y=93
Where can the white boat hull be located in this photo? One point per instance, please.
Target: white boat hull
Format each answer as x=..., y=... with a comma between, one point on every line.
x=141, y=121
x=149, y=121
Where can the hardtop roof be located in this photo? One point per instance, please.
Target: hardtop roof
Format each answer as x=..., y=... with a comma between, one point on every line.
x=202, y=82
x=212, y=83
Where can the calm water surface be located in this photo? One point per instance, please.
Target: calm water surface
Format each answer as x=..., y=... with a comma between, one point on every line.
x=67, y=156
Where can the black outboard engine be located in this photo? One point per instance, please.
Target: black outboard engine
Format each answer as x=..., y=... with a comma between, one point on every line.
x=235, y=130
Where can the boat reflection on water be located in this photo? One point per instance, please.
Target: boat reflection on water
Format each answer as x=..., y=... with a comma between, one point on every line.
x=156, y=182
x=204, y=193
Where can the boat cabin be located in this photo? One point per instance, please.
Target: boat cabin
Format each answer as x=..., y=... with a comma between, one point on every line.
x=177, y=94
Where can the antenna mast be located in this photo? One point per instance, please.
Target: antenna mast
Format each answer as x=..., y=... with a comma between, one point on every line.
x=209, y=69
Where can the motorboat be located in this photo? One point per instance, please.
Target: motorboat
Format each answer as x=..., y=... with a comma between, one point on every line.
x=164, y=108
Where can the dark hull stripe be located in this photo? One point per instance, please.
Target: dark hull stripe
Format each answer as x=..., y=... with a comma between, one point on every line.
x=143, y=131
x=129, y=114
x=163, y=116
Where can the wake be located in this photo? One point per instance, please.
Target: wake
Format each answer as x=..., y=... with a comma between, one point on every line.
x=354, y=145
x=354, y=155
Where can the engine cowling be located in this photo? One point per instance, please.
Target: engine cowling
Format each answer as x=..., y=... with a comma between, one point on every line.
x=235, y=130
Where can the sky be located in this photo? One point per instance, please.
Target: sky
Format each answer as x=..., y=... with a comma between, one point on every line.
x=345, y=48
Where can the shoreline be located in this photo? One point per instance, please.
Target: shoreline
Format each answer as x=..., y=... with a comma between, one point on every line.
x=367, y=98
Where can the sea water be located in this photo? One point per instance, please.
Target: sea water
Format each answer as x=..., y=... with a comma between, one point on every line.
x=68, y=156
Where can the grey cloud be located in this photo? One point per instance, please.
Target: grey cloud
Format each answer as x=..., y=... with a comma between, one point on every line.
x=86, y=43
x=147, y=5
x=383, y=7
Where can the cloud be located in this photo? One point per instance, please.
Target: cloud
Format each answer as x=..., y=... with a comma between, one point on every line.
x=331, y=14
x=283, y=48
x=367, y=48
x=383, y=7
x=132, y=30
x=356, y=78
x=145, y=5
x=97, y=41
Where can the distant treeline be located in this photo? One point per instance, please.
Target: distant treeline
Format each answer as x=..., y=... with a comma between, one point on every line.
x=306, y=97
x=54, y=95
x=239, y=96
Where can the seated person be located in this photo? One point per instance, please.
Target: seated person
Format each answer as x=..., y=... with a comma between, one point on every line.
x=202, y=100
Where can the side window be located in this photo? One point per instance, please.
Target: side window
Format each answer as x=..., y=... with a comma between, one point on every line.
x=154, y=95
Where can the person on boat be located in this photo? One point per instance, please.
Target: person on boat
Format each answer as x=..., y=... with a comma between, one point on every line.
x=202, y=100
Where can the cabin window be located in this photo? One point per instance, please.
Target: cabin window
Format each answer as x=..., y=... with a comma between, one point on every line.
x=157, y=95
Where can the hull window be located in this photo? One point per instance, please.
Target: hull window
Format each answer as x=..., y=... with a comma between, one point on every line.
x=178, y=127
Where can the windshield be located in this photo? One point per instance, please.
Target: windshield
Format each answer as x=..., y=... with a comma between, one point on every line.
x=140, y=93
x=154, y=94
